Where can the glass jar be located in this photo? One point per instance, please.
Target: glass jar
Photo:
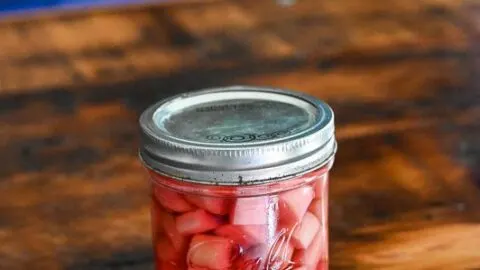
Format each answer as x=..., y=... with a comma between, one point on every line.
x=239, y=179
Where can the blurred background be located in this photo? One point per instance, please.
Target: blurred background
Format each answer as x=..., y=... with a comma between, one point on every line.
x=400, y=75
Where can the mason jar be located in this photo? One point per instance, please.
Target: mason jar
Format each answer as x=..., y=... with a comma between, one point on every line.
x=239, y=179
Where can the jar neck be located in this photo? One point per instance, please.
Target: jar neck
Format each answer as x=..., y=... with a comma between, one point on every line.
x=276, y=186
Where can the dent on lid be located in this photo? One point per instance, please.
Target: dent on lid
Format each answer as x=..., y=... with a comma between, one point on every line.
x=218, y=136
x=235, y=117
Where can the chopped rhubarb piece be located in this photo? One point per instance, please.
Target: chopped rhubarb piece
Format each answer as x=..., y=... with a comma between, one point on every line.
x=165, y=252
x=198, y=221
x=244, y=235
x=171, y=200
x=212, y=252
x=179, y=241
x=255, y=210
x=317, y=207
x=253, y=258
x=317, y=250
x=218, y=206
x=322, y=265
x=258, y=251
x=294, y=204
x=306, y=231
x=321, y=186
x=156, y=216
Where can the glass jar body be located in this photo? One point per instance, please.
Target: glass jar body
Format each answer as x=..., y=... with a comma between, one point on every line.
x=279, y=225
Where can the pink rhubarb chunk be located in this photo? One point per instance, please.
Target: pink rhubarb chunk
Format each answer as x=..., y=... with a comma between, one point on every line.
x=211, y=252
x=254, y=211
x=317, y=250
x=321, y=186
x=179, y=241
x=305, y=232
x=165, y=252
x=253, y=258
x=322, y=265
x=198, y=221
x=156, y=215
x=294, y=204
x=244, y=235
x=218, y=206
x=317, y=207
x=171, y=200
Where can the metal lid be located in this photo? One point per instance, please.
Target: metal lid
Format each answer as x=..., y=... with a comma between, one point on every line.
x=237, y=135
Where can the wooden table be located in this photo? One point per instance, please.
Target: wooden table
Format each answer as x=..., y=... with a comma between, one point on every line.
x=405, y=190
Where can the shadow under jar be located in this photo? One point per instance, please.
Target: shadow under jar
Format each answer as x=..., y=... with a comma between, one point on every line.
x=239, y=179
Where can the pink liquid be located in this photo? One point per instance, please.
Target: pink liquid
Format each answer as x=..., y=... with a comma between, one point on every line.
x=285, y=229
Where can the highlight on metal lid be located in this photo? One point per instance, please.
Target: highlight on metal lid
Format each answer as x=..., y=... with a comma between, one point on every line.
x=237, y=135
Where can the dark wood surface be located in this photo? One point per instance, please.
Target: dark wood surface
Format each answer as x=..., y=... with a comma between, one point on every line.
x=405, y=189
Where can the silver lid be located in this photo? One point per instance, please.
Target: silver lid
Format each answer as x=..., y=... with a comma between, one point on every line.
x=237, y=135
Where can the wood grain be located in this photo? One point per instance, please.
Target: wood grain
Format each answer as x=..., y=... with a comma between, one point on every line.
x=400, y=75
